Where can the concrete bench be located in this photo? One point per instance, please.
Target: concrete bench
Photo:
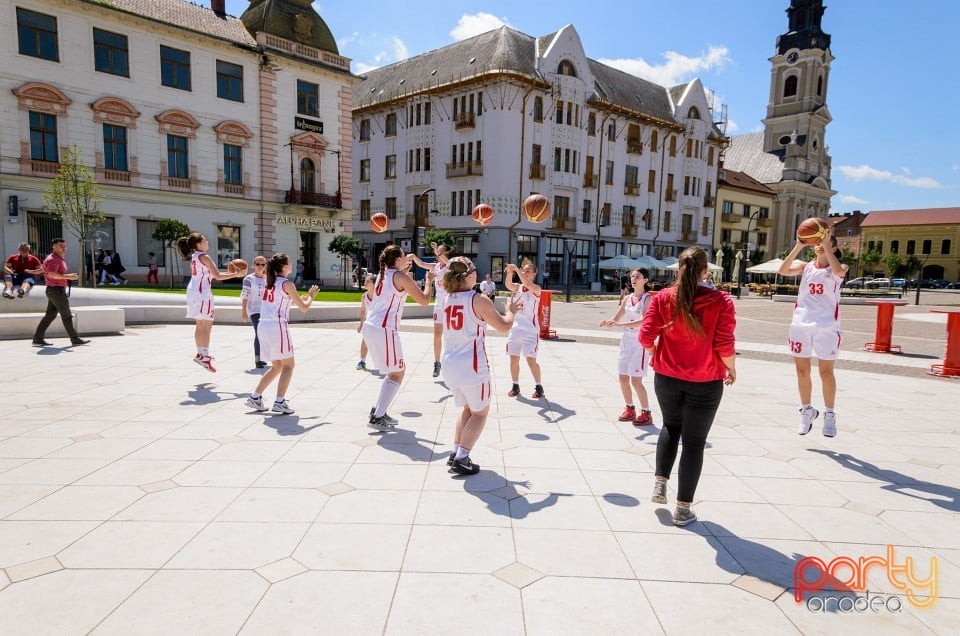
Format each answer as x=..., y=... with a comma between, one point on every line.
x=89, y=321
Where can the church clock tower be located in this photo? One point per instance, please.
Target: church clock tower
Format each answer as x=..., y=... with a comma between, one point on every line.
x=797, y=117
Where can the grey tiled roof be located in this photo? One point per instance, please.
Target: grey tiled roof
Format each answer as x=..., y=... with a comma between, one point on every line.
x=746, y=154
x=185, y=15
x=676, y=92
x=629, y=91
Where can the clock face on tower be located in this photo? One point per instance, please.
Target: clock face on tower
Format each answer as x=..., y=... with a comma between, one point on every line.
x=793, y=57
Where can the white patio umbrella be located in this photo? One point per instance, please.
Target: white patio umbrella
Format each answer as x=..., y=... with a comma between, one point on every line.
x=650, y=262
x=621, y=261
x=710, y=267
x=771, y=266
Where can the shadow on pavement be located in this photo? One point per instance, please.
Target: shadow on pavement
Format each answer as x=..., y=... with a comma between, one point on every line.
x=204, y=394
x=289, y=424
x=545, y=408
x=406, y=443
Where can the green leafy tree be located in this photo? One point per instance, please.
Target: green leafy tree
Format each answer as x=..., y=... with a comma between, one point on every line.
x=74, y=198
x=346, y=246
x=847, y=257
x=440, y=237
x=892, y=262
x=912, y=265
x=756, y=257
x=869, y=261
x=167, y=232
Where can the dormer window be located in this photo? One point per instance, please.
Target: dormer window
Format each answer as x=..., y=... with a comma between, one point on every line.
x=693, y=113
x=566, y=68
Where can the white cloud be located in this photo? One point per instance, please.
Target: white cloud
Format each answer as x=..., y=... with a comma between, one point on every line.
x=732, y=126
x=400, y=51
x=348, y=40
x=361, y=68
x=852, y=200
x=866, y=173
x=955, y=167
x=470, y=25
x=397, y=51
x=676, y=69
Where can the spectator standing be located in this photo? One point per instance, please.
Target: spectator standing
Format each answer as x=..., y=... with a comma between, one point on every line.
x=106, y=269
x=298, y=279
x=688, y=329
x=117, y=269
x=488, y=288
x=58, y=301
x=19, y=271
x=251, y=299
x=153, y=269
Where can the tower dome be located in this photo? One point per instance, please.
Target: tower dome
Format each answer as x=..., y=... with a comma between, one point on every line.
x=294, y=20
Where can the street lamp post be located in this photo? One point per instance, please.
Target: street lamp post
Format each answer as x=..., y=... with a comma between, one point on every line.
x=415, y=243
x=743, y=264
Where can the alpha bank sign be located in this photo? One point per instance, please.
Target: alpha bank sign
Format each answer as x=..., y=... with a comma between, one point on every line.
x=307, y=222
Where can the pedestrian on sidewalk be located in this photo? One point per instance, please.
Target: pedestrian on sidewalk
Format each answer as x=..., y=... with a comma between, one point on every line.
x=279, y=294
x=466, y=371
x=633, y=360
x=689, y=332
x=815, y=328
x=251, y=299
x=153, y=269
x=58, y=299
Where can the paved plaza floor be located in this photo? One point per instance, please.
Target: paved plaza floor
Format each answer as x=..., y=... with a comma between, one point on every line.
x=139, y=496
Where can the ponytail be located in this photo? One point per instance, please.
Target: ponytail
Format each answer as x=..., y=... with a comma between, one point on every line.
x=458, y=269
x=186, y=245
x=389, y=257
x=692, y=262
x=275, y=268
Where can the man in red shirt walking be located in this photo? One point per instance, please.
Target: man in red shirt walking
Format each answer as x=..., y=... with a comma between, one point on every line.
x=19, y=270
x=55, y=273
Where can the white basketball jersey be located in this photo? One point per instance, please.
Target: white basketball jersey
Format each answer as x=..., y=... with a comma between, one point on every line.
x=818, y=301
x=386, y=308
x=526, y=318
x=275, y=306
x=633, y=309
x=200, y=278
x=366, y=299
x=464, y=342
x=439, y=270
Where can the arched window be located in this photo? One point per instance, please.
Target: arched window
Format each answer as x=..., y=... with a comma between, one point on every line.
x=790, y=86
x=693, y=113
x=566, y=68
x=308, y=176
x=820, y=86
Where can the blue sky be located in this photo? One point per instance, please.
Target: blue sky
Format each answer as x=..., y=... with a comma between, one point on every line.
x=892, y=85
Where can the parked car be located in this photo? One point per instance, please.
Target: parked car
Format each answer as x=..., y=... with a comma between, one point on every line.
x=927, y=283
x=939, y=283
x=898, y=282
x=878, y=283
x=858, y=283
x=955, y=285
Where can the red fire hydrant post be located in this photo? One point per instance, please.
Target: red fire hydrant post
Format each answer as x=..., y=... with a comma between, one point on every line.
x=882, y=336
x=951, y=357
x=543, y=315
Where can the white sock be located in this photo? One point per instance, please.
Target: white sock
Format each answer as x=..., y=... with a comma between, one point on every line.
x=630, y=405
x=462, y=451
x=804, y=407
x=279, y=399
x=388, y=391
x=827, y=409
x=205, y=352
x=255, y=396
x=456, y=448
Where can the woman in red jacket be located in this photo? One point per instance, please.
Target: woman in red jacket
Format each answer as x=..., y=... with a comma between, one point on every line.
x=688, y=330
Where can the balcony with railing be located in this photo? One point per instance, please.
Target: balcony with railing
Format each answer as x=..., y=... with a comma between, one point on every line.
x=317, y=199
x=687, y=236
x=233, y=189
x=464, y=120
x=709, y=201
x=464, y=169
x=765, y=222
x=634, y=147
x=730, y=217
x=119, y=177
x=671, y=195
x=410, y=221
x=631, y=189
x=564, y=223
x=591, y=180
x=178, y=183
x=629, y=230
x=538, y=171
x=44, y=168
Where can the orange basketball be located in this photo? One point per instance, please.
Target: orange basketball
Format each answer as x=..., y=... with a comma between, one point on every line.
x=536, y=208
x=483, y=214
x=237, y=265
x=812, y=231
x=379, y=222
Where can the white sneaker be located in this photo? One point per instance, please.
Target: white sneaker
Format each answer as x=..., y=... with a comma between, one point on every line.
x=830, y=424
x=807, y=416
x=256, y=403
x=7, y=294
x=282, y=407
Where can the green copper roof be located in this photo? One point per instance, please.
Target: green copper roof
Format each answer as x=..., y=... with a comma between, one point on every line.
x=293, y=20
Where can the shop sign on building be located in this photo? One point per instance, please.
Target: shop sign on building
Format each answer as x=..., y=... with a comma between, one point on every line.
x=307, y=222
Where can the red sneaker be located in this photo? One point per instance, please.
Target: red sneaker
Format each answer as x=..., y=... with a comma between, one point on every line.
x=629, y=414
x=645, y=419
x=206, y=363
x=515, y=391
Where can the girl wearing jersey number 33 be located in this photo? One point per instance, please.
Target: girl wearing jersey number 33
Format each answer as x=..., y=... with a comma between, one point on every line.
x=816, y=328
x=465, y=369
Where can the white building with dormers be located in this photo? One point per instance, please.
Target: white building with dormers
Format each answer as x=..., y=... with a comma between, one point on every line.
x=239, y=127
x=630, y=167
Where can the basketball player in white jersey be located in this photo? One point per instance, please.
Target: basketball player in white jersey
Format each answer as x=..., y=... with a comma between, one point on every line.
x=443, y=254
x=365, y=300
x=199, y=294
x=633, y=360
x=466, y=371
x=524, y=337
x=276, y=345
x=815, y=328
x=382, y=323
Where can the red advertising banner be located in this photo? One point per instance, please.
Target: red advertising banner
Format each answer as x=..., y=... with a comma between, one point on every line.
x=543, y=313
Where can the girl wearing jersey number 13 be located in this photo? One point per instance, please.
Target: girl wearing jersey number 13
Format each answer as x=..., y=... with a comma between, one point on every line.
x=465, y=368
x=815, y=328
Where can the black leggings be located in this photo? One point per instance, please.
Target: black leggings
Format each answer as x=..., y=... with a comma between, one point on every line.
x=688, y=409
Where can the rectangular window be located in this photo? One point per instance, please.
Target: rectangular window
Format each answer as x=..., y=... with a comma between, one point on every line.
x=605, y=215
x=667, y=215
x=764, y=212
x=228, y=244
x=43, y=137
x=175, y=68
x=391, y=207
x=945, y=246
x=232, y=164
x=727, y=207
x=653, y=141
x=538, y=108
x=178, y=165
x=419, y=114
x=114, y=147
x=673, y=146
x=592, y=124
x=705, y=226
x=911, y=246
x=612, y=131
x=647, y=219
x=229, y=81
x=426, y=159
x=426, y=114
x=894, y=247
x=364, y=169
x=110, y=53
x=686, y=185
x=726, y=236
x=146, y=244
x=557, y=158
x=671, y=195
x=609, y=173
x=710, y=156
x=390, y=167
x=364, y=130
x=566, y=160
x=927, y=246
x=364, y=209
x=746, y=210
x=630, y=175
x=308, y=98
x=651, y=180
x=569, y=113
x=559, y=117
x=561, y=207
x=417, y=164
x=453, y=203
x=689, y=147
x=391, y=125
x=761, y=238
x=586, y=211
x=38, y=35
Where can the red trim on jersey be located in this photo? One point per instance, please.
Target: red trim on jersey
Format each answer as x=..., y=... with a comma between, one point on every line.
x=386, y=315
x=475, y=363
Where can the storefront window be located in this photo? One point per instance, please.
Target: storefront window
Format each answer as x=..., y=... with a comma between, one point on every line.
x=146, y=244
x=228, y=244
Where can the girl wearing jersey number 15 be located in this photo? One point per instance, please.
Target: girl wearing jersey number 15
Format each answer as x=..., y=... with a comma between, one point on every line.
x=465, y=368
x=815, y=328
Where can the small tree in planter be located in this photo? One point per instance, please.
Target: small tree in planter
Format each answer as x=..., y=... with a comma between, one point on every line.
x=346, y=246
x=167, y=232
x=440, y=237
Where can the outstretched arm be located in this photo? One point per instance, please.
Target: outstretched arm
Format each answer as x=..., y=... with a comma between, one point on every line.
x=404, y=283
x=302, y=302
x=216, y=273
x=485, y=308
